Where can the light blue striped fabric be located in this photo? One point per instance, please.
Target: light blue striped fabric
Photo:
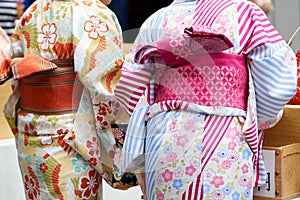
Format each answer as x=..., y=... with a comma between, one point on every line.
x=154, y=138
x=273, y=84
x=133, y=148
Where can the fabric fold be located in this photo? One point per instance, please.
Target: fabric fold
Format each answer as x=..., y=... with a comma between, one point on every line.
x=19, y=68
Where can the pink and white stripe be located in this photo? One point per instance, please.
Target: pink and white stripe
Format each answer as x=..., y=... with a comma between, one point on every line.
x=214, y=130
x=255, y=25
x=207, y=11
x=131, y=87
x=251, y=136
x=173, y=105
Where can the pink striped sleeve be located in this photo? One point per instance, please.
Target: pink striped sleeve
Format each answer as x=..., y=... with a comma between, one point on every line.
x=132, y=86
x=255, y=28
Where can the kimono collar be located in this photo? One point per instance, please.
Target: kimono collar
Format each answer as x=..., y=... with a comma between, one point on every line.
x=182, y=1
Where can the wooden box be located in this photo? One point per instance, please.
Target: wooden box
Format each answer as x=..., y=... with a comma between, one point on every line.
x=282, y=158
x=283, y=174
x=288, y=128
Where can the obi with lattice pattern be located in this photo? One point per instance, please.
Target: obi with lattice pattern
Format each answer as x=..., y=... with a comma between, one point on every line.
x=196, y=68
x=208, y=79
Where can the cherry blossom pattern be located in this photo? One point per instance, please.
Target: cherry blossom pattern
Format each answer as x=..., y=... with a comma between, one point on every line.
x=217, y=181
x=171, y=157
x=101, y=124
x=95, y=27
x=190, y=170
x=47, y=36
x=182, y=140
x=167, y=175
x=93, y=146
x=79, y=164
x=217, y=194
x=244, y=169
x=89, y=184
x=160, y=196
x=31, y=185
x=43, y=167
x=222, y=19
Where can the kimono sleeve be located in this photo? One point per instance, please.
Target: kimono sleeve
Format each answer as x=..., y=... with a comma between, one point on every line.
x=98, y=61
x=137, y=78
x=271, y=61
x=16, y=50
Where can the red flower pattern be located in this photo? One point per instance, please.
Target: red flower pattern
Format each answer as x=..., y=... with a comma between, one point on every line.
x=89, y=184
x=93, y=161
x=43, y=167
x=29, y=128
x=101, y=123
x=94, y=147
x=31, y=187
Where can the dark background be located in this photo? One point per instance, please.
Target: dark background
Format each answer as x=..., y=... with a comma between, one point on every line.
x=132, y=13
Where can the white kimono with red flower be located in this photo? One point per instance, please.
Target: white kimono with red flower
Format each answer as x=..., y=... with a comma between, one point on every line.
x=65, y=60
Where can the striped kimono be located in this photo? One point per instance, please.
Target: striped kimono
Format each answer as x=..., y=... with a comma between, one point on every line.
x=191, y=150
x=8, y=15
x=66, y=58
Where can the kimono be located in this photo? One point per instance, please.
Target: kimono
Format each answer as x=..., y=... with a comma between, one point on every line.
x=65, y=60
x=202, y=81
x=5, y=41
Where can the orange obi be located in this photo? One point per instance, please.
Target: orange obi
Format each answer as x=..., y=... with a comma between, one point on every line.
x=55, y=91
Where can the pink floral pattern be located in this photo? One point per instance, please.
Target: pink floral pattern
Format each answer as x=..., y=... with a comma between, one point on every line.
x=223, y=20
x=190, y=170
x=94, y=146
x=245, y=169
x=217, y=181
x=182, y=140
x=226, y=164
x=232, y=133
x=218, y=195
x=177, y=171
x=167, y=175
x=171, y=157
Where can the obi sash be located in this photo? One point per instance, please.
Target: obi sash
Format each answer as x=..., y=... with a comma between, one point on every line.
x=194, y=68
x=213, y=79
x=54, y=91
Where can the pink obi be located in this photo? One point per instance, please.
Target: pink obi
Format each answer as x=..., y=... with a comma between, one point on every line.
x=193, y=67
x=222, y=82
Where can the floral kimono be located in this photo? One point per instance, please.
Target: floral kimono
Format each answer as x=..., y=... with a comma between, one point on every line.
x=203, y=80
x=65, y=60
